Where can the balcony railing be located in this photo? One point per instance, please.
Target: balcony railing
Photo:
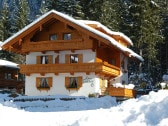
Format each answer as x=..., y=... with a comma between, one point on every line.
x=57, y=45
x=4, y=83
x=101, y=68
x=121, y=92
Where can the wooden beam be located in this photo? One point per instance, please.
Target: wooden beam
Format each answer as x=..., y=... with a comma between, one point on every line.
x=41, y=27
x=20, y=41
x=42, y=74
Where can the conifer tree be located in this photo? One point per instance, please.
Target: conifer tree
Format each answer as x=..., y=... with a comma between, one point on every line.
x=111, y=14
x=145, y=33
x=5, y=30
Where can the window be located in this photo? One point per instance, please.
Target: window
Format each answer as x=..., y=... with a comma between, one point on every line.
x=67, y=36
x=44, y=60
x=47, y=59
x=73, y=82
x=74, y=58
x=8, y=76
x=44, y=82
x=53, y=37
x=113, y=62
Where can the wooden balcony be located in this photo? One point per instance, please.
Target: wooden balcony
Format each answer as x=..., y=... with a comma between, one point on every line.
x=98, y=68
x=121, y=92
x=4, y=83
x=57, y=45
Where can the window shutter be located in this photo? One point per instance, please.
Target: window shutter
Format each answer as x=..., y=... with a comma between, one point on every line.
x=50, y=81
x=57, y=59
x=67, y=81
x=38, y=59
x=50, y=59
x=67, y=58
x=79, y=82
x=80, y=58
x=37, y=82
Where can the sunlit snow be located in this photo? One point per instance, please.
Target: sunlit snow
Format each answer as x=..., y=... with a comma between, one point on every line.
x=147, y=110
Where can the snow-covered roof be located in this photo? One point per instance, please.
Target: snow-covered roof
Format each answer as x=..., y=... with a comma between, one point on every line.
x=0, y=45
x=85, y=26
x=8, y=63
x=107, y=29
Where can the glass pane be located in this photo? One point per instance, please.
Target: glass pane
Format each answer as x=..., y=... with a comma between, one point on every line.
x=44, y=82
x=73, y=82
x=74, y=58
x=53, y=37
x=67, y=36
x=44, y=59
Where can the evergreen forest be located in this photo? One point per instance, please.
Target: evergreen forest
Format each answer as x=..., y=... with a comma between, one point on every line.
x=145, y=22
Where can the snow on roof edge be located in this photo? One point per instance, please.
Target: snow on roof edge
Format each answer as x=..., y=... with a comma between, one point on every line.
x=8, y=63
x=83, y=25
x=1, y=45
x=108, y=30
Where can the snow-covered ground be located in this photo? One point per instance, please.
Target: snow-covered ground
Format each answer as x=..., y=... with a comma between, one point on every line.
x=148, y=110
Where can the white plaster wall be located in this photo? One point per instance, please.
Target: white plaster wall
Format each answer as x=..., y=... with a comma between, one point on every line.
x=88, y=56
x=58, y=86
x=90, y=85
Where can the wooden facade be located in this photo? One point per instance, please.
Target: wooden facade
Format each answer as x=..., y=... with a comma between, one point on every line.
x=9, y=78
x=56, y=44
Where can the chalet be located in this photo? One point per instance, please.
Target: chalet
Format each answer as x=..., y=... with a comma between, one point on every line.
x=71, y=57
x=9, y=75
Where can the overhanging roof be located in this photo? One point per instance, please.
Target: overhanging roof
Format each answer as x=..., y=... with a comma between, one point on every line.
x=76, y=23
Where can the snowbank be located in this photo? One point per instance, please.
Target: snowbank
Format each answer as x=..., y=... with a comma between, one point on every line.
x=147, y=110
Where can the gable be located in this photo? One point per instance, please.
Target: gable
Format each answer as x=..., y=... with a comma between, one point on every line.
x=40, y=26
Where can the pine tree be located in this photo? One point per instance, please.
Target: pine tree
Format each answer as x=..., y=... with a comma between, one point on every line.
x=21, y=15
x=5, y=30
x=111, y=14
x=163, y=47
x=145, y=33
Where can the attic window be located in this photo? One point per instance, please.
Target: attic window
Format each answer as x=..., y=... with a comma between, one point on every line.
x=67, y=36
x=53, y=37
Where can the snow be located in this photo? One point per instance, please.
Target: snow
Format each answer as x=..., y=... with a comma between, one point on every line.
x=8, y=63
x=147, y=110
x=83, y=25
x=107, y=30
x=0, y=45
x=128, y=86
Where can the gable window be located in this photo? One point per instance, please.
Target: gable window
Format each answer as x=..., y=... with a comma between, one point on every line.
x=47, y=59
x=73, y=82
x=53, y=37
x=44, y=82
x=74, y=58
x=67, y=36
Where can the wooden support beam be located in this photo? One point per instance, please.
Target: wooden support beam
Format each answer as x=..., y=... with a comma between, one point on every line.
x=41, y=27
x=72, y=73
x=20, y=41
x=42, y=74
